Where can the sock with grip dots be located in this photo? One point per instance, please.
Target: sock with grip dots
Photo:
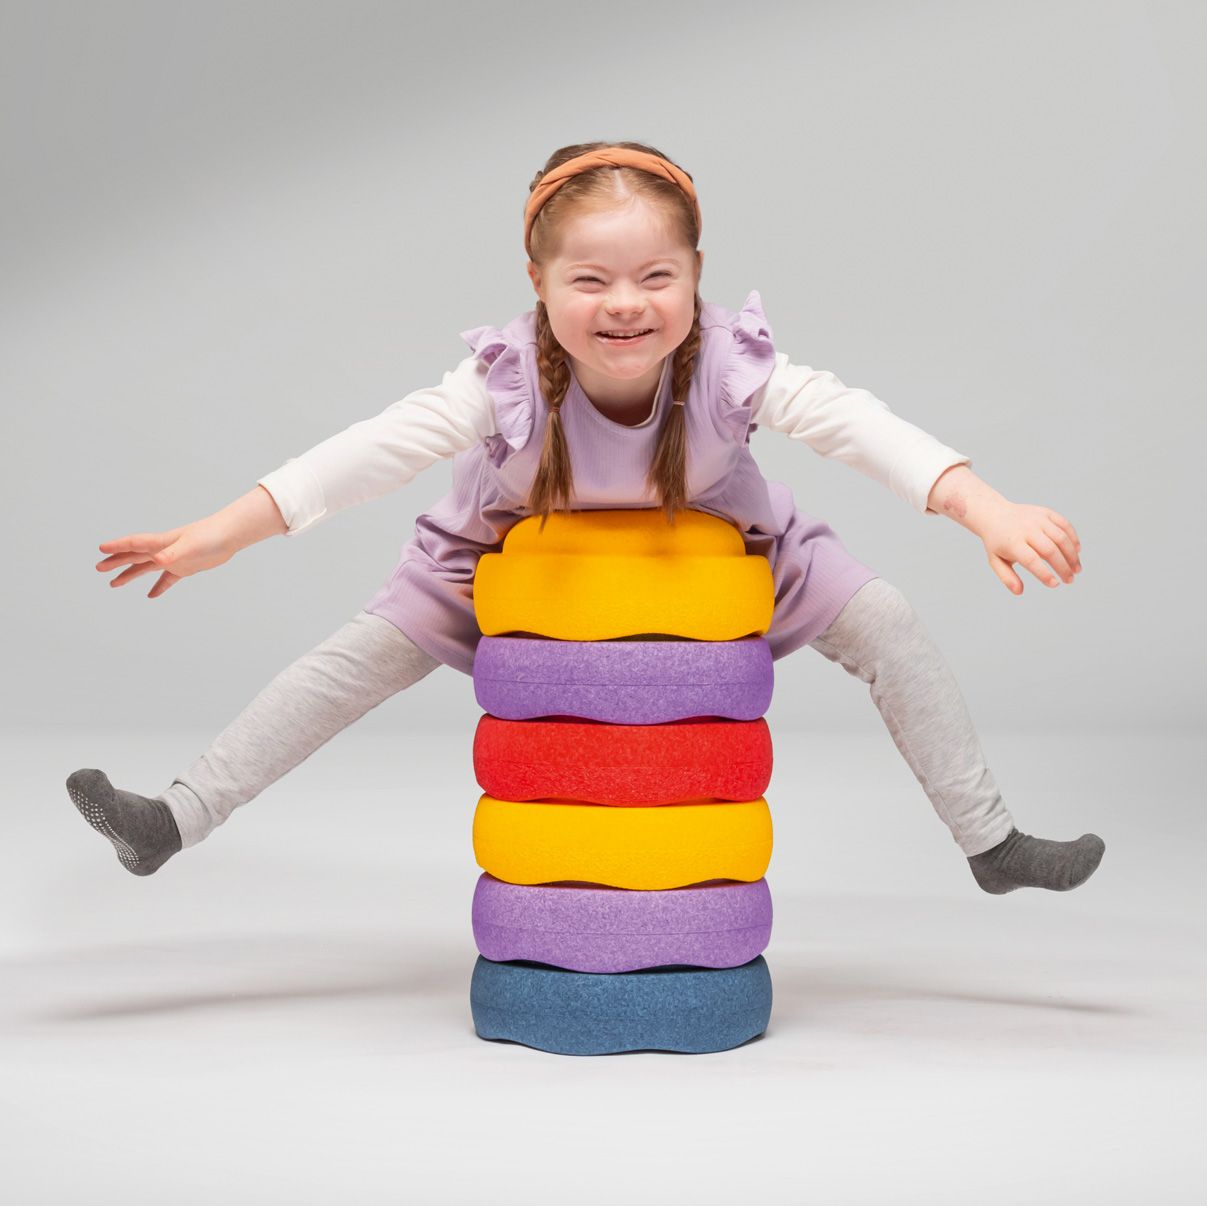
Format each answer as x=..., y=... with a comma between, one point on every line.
x=143, y=831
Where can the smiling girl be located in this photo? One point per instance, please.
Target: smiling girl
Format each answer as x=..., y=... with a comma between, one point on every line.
x=620, y=389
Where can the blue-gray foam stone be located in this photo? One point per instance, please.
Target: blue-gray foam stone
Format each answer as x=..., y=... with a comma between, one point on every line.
x=693, y=1010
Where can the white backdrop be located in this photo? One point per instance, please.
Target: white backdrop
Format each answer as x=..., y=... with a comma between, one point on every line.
x=231, y=230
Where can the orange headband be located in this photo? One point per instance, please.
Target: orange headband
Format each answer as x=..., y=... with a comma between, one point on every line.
x=610, y=157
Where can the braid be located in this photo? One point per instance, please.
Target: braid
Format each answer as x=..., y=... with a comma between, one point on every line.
x=668, y=466
x=553, y=484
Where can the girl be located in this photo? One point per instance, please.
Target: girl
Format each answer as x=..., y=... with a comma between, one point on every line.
x=620, y=389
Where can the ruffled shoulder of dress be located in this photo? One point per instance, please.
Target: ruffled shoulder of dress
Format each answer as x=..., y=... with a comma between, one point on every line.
x=507, y=352
x=749, y=359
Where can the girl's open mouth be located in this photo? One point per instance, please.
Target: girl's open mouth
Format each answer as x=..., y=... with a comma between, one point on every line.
x=606, y=338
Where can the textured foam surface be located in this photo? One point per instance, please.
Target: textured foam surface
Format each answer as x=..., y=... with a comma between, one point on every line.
x=646, y=848
x=622, y=764
x=576, y=1013
x=614, y=930
x=623, y=681
x=593, y=575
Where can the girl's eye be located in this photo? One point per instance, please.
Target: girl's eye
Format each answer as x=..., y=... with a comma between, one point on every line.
x=596, y=280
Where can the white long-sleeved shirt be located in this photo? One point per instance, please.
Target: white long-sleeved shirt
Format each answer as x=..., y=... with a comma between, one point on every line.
x=380, y=454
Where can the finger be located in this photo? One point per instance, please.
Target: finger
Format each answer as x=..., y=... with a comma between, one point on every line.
x=1064, y=524
x=1032, y=560
x=166, y=582
x=1052, y=553
x=140, y=542
x=127, y=544
x=135, y=571
x=116, y=559
x=1005, y=571
x=1065, y=543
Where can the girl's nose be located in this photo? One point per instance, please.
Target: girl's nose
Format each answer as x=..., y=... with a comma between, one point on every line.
x=621, y=301
x=619, y=307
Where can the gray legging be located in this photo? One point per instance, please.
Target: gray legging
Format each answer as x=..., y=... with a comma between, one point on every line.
x=877, y=637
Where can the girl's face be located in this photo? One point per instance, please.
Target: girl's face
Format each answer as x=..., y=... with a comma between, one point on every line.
x=620, y=270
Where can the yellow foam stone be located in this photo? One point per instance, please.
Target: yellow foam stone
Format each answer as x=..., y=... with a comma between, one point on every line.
x=596, y=575
x=668, y=846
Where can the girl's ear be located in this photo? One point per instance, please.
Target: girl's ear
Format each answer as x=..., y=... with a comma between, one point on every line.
x=534, y=275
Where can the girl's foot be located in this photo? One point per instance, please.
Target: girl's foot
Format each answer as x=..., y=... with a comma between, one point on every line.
x=143, y=831
x=1022, y=861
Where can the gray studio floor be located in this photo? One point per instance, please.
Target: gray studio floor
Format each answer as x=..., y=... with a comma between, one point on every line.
x=281, y=1014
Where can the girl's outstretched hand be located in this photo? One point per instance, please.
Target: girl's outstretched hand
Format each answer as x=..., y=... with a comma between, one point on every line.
x=197, y=546
x=176, y=554
x=1012, y=532
x=1030, y=536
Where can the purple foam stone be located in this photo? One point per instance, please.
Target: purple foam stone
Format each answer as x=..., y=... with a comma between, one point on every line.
x=625, y=681
x=595, y=929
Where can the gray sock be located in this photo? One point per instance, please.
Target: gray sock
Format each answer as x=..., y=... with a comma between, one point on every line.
x=1022, y=861
x=142, y=831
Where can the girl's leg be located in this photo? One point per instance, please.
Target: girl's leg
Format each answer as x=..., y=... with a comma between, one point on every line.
x=363, y=663
x=878, y=638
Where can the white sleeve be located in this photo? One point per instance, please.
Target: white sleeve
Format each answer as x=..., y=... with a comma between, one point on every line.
x=380, y=454
x=854, y=427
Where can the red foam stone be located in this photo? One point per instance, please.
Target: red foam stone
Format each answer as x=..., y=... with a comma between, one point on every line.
x=625, y=764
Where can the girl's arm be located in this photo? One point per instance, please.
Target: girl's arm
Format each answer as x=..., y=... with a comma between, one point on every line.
x=857, y=428
x=1011, y=532
x=852, y=426
x=380, y=454
x=197, y=546
x=364, y=461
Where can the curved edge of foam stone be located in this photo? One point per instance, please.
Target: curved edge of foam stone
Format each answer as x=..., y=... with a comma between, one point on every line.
x=668, y=846
x=593, y=929
x=623, y=681
x=692, y=1010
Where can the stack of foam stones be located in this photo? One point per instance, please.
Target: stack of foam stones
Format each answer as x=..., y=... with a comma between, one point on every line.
x=623, y=834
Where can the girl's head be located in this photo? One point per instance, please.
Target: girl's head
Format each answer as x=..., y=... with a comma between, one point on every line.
x=614, y=248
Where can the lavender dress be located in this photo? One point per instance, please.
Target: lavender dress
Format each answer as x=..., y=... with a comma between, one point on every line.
x=429, y=596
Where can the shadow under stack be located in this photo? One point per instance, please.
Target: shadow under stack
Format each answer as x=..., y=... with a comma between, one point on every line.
x=623, y=833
